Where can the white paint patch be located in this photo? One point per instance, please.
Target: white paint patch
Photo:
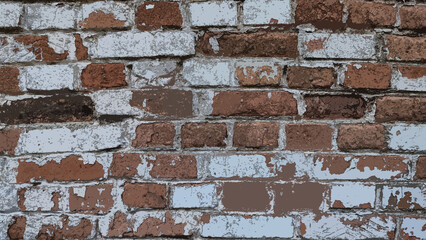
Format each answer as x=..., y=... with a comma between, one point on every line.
x=414, y=227
x=352, y=195
x=194, y=196
x=79, y=191
x=152, y=73
x=213, y=13
x=253, y=166
x=416, y=195
x=8, y=196
x=48, y=16
x=256, y=13
x=40, y=199
x=10, y=14
x=400, y=82
x=113, y=102
x=214, y=44
x=408, y=137
x=121, y=11
x=46, y=77
x=200, y=72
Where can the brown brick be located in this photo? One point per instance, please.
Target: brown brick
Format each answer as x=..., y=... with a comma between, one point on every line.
x=368, y=76
x=254, y=103
x=412, y=72
x=162, y=14
x=413, y=17
x=406, y=48
x=67, y=230
x=81, y=51
x=361, y=136
x=245, y=196
x=9, y=82
x=9, y=140
x=197, y=135
x=103, y=75
x=97, y=199
x=420, y=169
x=320, y=13
x=154, y=135
x=261, y=44
x=370, y=14
x=101, y=20
x=258, y=75
x=334, y=107
x=308, y=77
x=144, y=195
x=58, y=108
x=39, y=46
x=16, y=230
x=308, y=136
x=262, y=135
x=409, y=109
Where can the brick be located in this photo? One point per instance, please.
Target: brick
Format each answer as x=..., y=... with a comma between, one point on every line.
x=371, y=14
x=96, y=199
x=54, y=16
x=269, y=12
x=403, y=198
x=412, y=17
x=9, y=140
x=334, y=107
x=261, y=135
x=153, y=166
x=81, y=51
x=248, y=227
x=258, y=73
x=154, y=135
x=308, y=137
x=153, y=73
x=155, y=15
x=337, y=45
x=352, y=195
x=9, y=81
x=309, y=77
x=413, y=228
x=408, y=109
x=91, y=138
x=194, y=196
x=321, y=14
x=402, y=48
x=260, y=44
x=9, y=196
x=213, y=13
x=48, y=77
x=16, y=228
x=409, y=78
x=10, y=14
x=420, y=169
x=407, y=137
x=368, y=76
x=197, y=135
x=144, y=195
x=120, y=45
x=105, y=15
x=254, y=103
x=99, y=75
x=361, y=136
x=245, y=196
x=41, y=199
x=200, y=72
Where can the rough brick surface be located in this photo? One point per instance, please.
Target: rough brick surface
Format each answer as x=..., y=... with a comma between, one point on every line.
x=308, y=136
x=370, y=14
x=361, y=136
x=203, y=135
x=256, y=135
x=368, y=76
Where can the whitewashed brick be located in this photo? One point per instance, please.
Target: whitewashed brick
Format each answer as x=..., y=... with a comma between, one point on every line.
x=46, y=16
x=253, y=166
x=119, y=11
x=143, y=44
x=114, y=102
x=199, y=72
x=403, y=197
x=213, y=13
x=8, y=196
x=5, y=221
x=269, y=11
x=46, y=77
x=251, y=227
x=152, y=73
x=408, y=137
x=10, y=14
x=194, y=196
x=41, y=198
x=352, y=195
x=413, y=228
x=408, y=83
x=337, y=45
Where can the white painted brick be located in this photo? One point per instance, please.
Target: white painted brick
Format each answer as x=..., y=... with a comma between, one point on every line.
x=46, y=16
x=10, y=14
x=401, y=82
x=144, y=44
x=40, y=198
x=253, y=166
x=199, y=72
x=113, y=102
x=5, y=221
x=8, y=196
x=408, y=137
x=413, y=228
x=194, y=196
x=266, y=12
x=213, y=13
x=353, y=195
x=120, y=12
x=46, y=77
x=337, y=45
x=403, y=197
x=252, y=227
x=153, y=73
x=63, y=139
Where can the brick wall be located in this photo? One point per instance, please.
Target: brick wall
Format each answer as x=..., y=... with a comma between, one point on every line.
x=213, y=119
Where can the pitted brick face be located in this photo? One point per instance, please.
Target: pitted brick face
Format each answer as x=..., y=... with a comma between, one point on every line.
x=97, y=76
x=154, y=15
x=369, y=14
x=9, y=82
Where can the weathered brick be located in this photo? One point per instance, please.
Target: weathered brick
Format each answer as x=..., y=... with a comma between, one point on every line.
x=213, y=13
x=269, y=12
x=403, y=48
x=334, y=107
x=410, y=78
x=420, y=169
x=49, y=16
x=200, y=72
x=16, y=229
x=47, y=77
x=262, y=135
x=9, y=140
x=194, y=196
x=368, y=76
x=308, y=137
x=412, y=17
x=413, y=228
x=352, y=195
x=197, y=135
x=145, y=195
x=154, y=73
x=41, y=199
x=81, y=51
x=310, y=77
x=10, y=14
x=154, y=135
x=254, y=103
x=96, y=199
x=361, y=136
x=103, y=75
x=258, y=73
x=321, y=14
x=403, y=198
x=408, y=109
x=407, y=137
x=154, y=15
x=105, y=15
x=260, y=44
x=370, y=14
x=9, y=82
x=9, y=196
x=245, y=196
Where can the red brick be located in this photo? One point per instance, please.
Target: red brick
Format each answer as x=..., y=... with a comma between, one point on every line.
x=197, y=135
x=144, y=195
x=39, y=46
x=103, y=75
x=245, y=196
x=254, y=103
x=309, y=77
x=420, y=169
x=9, y=82
x=263, y=135
x=308, y=137
x=9, y=140
x=97, y=199
x=413, y=17
x=361, y=136
x=412, y=72
x=81, y=51
x=406, y=48
x=256, y=75
x=320, y=13
x=334, y=107
x=371, y=14
x=408, y=109
x=67, y=230
x=16, y=230
x=260, y=44
x=162, y=14
x=368, y=76
x=154, y=135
